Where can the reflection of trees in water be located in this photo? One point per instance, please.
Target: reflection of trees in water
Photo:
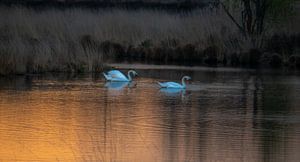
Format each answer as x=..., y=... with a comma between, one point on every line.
x=180, y=138
x=275, y=109
x=268, y=101
x=16, y=82
x=248, y=108
x=244, y=117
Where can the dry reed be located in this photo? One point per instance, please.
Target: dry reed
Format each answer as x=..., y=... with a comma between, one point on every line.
x=81, y=39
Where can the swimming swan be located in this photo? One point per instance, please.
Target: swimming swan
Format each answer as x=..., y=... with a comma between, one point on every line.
x=175, y=85
x=117, y=76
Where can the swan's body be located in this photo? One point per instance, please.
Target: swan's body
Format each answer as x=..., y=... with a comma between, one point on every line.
x=171, y=91
x=117, y=76
x=174, y=84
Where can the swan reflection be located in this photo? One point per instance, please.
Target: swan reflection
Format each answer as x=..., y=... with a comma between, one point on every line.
x=116, y=85
x=172, y=91
x=119, y=85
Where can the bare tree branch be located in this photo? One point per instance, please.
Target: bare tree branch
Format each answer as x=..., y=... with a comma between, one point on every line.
x=233, y=19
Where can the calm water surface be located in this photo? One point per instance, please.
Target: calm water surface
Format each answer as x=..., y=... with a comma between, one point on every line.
x=223, y=115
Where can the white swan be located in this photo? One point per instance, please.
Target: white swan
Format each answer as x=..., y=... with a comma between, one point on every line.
x=174, y=84
x=117, y=76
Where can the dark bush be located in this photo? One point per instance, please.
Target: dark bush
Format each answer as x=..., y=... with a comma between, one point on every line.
x=234, y=59
x=224, y=61
x=271, y=59
x=146, y=43
x=251, y=58
x=116, y=49
x=254, y=56
x=283, y=44
x=157, y=51
x=131, y=52
x=188, y=52
x=276, y=61
x=211, y=55
x=294, y=61
x=177, y=55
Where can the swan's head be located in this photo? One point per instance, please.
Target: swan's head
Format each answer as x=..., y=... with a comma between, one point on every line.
x=187, y=78
x=133, y=72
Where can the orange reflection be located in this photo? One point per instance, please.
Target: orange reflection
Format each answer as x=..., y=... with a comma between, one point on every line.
x=93, y=123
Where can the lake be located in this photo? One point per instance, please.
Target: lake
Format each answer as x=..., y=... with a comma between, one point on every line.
x=223, y=115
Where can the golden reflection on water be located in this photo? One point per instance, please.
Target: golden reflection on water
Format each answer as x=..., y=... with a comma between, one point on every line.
x=57, y=124
x=88, y=121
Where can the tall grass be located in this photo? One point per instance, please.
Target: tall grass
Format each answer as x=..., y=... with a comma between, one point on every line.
x=81, y=40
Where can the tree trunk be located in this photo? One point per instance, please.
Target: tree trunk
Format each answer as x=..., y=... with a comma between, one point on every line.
x=253, y=16
x=247, y=17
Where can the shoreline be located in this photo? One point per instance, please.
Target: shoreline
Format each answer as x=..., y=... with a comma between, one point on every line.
x=77, y=40
x=143, y=66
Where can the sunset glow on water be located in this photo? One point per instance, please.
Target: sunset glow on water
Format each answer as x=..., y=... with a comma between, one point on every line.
x=221, y=116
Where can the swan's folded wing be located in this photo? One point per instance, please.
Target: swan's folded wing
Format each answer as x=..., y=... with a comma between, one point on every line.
x=107, y=77
x=116, y=74
x=174, y=85
x=163, y=85
x=170, y=85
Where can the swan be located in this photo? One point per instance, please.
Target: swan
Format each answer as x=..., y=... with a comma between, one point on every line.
x=175, y=85
x=117, y=76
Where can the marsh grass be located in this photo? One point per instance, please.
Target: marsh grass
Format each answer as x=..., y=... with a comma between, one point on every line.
x=79, y=40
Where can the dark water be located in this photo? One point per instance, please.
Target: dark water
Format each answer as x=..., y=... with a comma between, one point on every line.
x=223, y=115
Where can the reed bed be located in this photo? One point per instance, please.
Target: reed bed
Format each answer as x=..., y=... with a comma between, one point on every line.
x=79, y=40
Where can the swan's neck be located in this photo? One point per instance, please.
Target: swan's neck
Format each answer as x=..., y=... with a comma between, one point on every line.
x=183, y=82
x=129, y=76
